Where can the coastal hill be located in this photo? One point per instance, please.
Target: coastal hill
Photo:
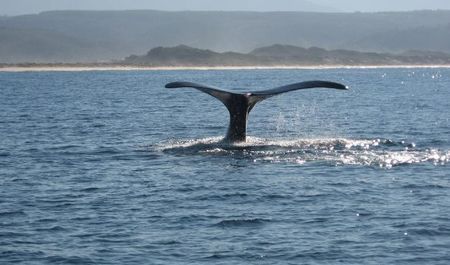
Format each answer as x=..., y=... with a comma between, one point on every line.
x=279, y=55
x=102, y=36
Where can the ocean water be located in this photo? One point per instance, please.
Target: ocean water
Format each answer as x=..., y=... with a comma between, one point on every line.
x=109, y=167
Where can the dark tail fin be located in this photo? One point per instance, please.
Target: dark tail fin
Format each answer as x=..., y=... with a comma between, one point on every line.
x=240, y=104
x=264, y=94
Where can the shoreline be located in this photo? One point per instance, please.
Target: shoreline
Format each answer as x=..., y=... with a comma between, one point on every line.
x=74, y=68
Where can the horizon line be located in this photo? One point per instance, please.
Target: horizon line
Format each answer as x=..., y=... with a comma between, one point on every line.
x=225, y=11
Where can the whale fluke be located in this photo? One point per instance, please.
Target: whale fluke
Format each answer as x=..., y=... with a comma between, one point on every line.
x=239, y=104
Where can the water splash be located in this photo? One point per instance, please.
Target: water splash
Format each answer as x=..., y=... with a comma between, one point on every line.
x=383, y=153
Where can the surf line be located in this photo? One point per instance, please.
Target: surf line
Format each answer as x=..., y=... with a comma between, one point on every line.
x=239, y=104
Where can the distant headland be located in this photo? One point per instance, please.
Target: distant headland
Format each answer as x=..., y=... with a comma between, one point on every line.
x=280, y=55
x=275, y=56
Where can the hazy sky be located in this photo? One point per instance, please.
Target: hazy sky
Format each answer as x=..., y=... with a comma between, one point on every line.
x=16, y=7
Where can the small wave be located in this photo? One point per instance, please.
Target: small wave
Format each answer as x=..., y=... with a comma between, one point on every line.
x=106, y=151
x=4, y=154
x=60, y=259
x=90, y=189
x=12, y=214
x=242, y=222
x=276, y=197
x=216, y=256
x=430, y=231
x=63, y=147
x=46, y=220
x=14, y=234
x=168, y=242
x=219, y=197
x=383, y=153
x=56, y=228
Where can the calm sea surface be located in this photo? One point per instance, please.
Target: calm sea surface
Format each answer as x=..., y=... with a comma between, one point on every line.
x=112, y=168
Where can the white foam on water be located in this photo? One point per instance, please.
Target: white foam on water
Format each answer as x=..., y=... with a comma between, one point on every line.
x=336, y=151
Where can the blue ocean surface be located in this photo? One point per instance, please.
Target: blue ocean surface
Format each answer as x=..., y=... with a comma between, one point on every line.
x=109, y=167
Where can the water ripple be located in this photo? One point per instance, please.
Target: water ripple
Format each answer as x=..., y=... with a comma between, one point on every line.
x=88, y=175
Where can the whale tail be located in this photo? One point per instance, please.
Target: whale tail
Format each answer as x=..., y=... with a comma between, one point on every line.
x=239, y=104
